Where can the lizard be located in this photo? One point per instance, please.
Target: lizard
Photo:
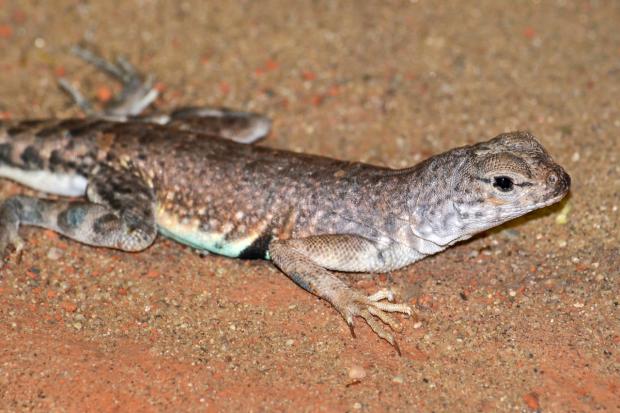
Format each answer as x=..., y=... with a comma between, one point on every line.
x=193, y=175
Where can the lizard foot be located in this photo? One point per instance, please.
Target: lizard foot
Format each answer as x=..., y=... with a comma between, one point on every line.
x=9, y=226
x=374, y=309
x=137, y=94
x=8, y=239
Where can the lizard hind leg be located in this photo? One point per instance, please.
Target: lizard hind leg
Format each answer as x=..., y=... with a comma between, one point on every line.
x=137, y=93
x=120, y=215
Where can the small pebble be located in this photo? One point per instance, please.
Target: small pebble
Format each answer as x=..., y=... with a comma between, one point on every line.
x=357, y=373
x=77, y=325
x=562, y=243
x=562, y=217
x=290, y=342
x=54, y=253
x=510, y=233
x=417, y=324
x=357, y=405
x=398, y=380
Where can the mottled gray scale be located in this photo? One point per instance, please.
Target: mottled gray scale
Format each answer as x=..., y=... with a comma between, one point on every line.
x=31, y=158
x=72, y=217
x=5, y=153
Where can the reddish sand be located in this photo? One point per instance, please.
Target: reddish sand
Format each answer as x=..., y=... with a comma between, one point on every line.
x=523, y=318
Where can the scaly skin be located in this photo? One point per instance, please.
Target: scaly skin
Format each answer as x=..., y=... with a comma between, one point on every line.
x=308, y=214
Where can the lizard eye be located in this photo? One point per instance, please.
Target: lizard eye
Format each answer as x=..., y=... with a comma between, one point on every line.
x=503, y=183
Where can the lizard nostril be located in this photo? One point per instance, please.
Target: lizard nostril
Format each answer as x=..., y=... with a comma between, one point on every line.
x=552, y=179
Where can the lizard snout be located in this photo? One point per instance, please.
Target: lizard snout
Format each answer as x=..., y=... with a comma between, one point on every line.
x=558, y=181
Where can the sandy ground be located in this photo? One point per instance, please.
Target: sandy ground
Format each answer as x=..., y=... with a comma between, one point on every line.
x=523, y=318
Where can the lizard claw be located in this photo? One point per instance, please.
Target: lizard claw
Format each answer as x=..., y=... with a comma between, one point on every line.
x=374, y=310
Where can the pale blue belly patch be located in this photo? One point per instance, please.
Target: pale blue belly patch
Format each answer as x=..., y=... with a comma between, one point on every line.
x=191, y=235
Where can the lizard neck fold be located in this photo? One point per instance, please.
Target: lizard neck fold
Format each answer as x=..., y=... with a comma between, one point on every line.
x=430, y=206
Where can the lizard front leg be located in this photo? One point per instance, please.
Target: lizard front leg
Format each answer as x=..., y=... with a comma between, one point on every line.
x=120, y=214
x=307, y=260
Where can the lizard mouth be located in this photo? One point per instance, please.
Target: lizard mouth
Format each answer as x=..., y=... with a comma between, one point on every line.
x=558, y=195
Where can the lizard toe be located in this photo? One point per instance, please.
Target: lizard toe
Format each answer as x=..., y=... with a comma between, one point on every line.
x=386, y=318
x=377, y=327
x=383, y=294
x=374, y=312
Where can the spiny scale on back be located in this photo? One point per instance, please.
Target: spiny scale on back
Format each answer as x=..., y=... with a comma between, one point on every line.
x=193, y=176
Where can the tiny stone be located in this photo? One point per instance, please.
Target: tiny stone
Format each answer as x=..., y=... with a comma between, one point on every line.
x=77, y=325
x=39, y=43
x=576, y=156
x=290, y=342
x=512, y=293
x=562, y=243
x=417, y=324
x=54, y=253
x=357, y=405
x=562, y=217
x=357, y=373
x=578, y=305
x=398, y=379
x=510, y=233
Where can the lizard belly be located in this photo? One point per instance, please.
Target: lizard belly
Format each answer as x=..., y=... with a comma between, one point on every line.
x=46, y=181
x=191, y=234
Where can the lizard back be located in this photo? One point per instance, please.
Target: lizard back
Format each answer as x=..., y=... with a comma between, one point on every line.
x=211, y=193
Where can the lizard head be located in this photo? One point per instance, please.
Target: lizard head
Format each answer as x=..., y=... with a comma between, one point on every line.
x=506, y=177
x=481, y=186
